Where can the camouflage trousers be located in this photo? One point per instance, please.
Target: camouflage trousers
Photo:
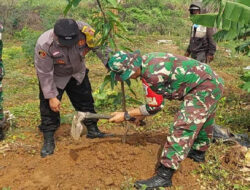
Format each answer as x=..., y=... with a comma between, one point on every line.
x=193, y=123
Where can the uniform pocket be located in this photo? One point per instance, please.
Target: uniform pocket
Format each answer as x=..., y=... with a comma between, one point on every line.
x=58, y=58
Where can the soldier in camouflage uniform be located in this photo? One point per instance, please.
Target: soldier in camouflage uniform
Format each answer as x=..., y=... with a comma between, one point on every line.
x=1, y=92
x=168, y=76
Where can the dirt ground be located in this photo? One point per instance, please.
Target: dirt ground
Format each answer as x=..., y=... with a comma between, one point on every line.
x=87, y=163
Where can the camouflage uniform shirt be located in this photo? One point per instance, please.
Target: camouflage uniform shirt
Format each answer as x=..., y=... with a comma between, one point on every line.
x=172, y=77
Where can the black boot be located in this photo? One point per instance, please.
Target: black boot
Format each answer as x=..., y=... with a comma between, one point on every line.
x=1, y=134
x=93, y=131
x=196, y=155
x=48, y=144
x=163, y=178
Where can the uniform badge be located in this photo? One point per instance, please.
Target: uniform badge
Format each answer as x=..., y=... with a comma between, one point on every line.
x=56, y=53
x=42, y=53
x=60, y=61
x=152, y=98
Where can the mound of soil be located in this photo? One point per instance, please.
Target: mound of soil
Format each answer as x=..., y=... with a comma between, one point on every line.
x=88, y=163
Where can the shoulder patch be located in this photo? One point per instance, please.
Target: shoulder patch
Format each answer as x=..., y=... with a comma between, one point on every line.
x=42, y=53
x=81, y=42
x=152, y=98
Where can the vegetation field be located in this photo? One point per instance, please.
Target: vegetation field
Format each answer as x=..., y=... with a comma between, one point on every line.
x=109, y=163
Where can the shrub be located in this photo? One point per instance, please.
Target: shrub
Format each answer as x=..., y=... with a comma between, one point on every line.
x=29, y=38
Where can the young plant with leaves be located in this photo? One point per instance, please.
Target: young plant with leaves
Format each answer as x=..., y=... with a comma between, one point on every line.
x=108, y=29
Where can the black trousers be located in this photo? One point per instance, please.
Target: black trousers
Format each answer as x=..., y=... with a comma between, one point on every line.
x=201, y=56
x=80, y=96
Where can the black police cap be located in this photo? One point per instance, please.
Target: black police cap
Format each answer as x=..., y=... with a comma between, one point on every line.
x=67, y=31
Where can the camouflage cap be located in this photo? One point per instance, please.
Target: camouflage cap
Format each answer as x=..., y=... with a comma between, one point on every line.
x=124, y=65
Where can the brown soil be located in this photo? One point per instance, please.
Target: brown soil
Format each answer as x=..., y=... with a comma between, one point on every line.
x=87, y=163
x=234, y=157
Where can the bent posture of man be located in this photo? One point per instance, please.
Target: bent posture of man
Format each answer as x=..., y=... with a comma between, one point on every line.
x=201, y=45
x=60, y=65
x=167, y=76
x=1, y=91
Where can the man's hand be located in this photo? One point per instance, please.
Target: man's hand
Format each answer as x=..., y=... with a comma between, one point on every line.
x=54, y=104
x=118, y=117
x=138, y=120
x=187, y=54
x=210, y=58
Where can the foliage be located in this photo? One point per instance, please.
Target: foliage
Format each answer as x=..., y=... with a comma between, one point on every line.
x=110, y=98
x=6, y=188
x=12, y=53
x=232, y=20
x=244, y=48
x=246, y=78
x=213, y=173
x=158, y=19
x=29, y=38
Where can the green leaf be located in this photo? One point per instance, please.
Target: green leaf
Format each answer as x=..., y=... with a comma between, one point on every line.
x=113, y=3
x=244, y=17
x=76, y=2
x=244, y=48
x=226, y=24
x=112, y=43
x=106, y=30
x=205, y=19
x=219, y=36
x=68, y=7
x=233, y=11
x=228, y=11
x=121, y=26
x=112, y=15
x=125, y=48
x=123, y=37
x=128, y=82
x=244, y=2
x=106, y=80
x=246, y=86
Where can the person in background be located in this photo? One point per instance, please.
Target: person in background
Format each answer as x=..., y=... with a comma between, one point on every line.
x=2, y=118
x=168, y=76
x=201, y=45
x=60, y=66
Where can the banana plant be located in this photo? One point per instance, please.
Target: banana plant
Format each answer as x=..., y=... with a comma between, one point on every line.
x=232, y=20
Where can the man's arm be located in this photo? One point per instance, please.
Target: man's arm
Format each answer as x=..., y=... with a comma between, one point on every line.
x=89, y=32
x=211, y=44
x=45, y=72
x=154, y=103
x=188, y=51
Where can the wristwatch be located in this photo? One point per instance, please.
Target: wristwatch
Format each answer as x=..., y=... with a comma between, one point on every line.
x=127, y=117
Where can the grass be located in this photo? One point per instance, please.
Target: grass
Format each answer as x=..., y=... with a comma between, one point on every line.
x=21, y=98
